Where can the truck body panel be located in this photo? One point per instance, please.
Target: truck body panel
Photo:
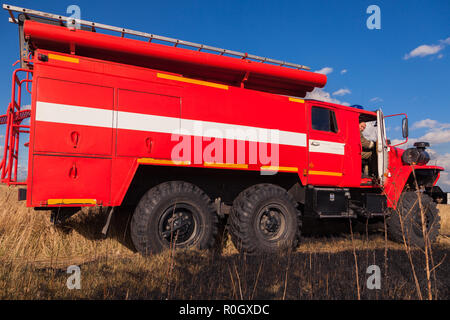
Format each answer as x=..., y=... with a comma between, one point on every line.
x=122, y=111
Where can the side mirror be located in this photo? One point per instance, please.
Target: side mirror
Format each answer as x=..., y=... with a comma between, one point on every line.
x=405, y=128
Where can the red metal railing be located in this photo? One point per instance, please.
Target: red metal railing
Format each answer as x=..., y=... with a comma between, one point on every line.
x=13, y=119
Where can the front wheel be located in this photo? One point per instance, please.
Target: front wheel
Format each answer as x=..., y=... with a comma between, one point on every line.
x=405, y=223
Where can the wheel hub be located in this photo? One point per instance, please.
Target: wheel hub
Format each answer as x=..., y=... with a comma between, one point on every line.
x=177, y=224
x=271, y=219
x=270, y=222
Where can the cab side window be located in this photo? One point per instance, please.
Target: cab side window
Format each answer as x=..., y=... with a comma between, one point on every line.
x=323, y=119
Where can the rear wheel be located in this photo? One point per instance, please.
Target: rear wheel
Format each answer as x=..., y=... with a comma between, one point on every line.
x=264, y=219
x=174, y=214
x=406, y=220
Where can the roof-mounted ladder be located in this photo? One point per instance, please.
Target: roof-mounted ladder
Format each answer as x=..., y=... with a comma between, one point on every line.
x=93, y=26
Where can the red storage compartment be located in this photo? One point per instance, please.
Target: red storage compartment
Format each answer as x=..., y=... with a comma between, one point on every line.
x=73, y=118
x=70, y=178
x=145, y=124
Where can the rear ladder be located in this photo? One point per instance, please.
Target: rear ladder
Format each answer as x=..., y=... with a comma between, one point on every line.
x=14, y=127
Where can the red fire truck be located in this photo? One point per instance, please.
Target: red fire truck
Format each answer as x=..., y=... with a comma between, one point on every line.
x=191, y=135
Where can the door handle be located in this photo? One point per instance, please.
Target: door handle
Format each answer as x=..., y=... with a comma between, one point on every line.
x=314, y=143
x=149, y=144
x=73, y=171
x=75, y=137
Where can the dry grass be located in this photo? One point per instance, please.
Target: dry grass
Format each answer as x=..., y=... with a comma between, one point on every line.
x=34, y=256
x=444, y=211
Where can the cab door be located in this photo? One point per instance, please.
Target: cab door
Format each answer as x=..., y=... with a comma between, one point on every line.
x=382, y=147
x=326, y=146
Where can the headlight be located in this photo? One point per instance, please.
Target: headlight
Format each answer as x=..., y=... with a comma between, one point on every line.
x=416, y=156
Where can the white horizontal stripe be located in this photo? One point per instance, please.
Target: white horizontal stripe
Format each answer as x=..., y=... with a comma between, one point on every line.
x=293, y=138
x=147, y=122
x=238, y=132
x=60, y=113
x=321, y=146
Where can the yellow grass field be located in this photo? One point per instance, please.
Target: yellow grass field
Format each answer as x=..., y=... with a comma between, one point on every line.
x=34, y=256
x=444, y=211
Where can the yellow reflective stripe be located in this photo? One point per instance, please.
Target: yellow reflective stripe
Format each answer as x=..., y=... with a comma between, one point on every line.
x=325, y=173
x=297, y=100
x=274, y=168
x=63, y=58
x=162, y=161
x=71, y=201
x=226, y=165
x=188, y=80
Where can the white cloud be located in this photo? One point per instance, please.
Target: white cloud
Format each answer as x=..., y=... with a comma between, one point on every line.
x=341, y=92
x=325, y=70
x=444, y=181
x=343, y=71
x=426, y=50
x=376, y=99
x=438, y=132
x=436, y=136
x=322, y=95
x=423, y=51
x=426, y=123
x=442, y=160
x=440, y=56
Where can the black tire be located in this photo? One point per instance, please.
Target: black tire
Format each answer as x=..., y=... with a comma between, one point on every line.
x=174, y=212
x=264, y=219
x=408, y=209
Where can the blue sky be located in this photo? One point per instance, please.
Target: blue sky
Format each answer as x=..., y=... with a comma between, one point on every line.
x=402, y=67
